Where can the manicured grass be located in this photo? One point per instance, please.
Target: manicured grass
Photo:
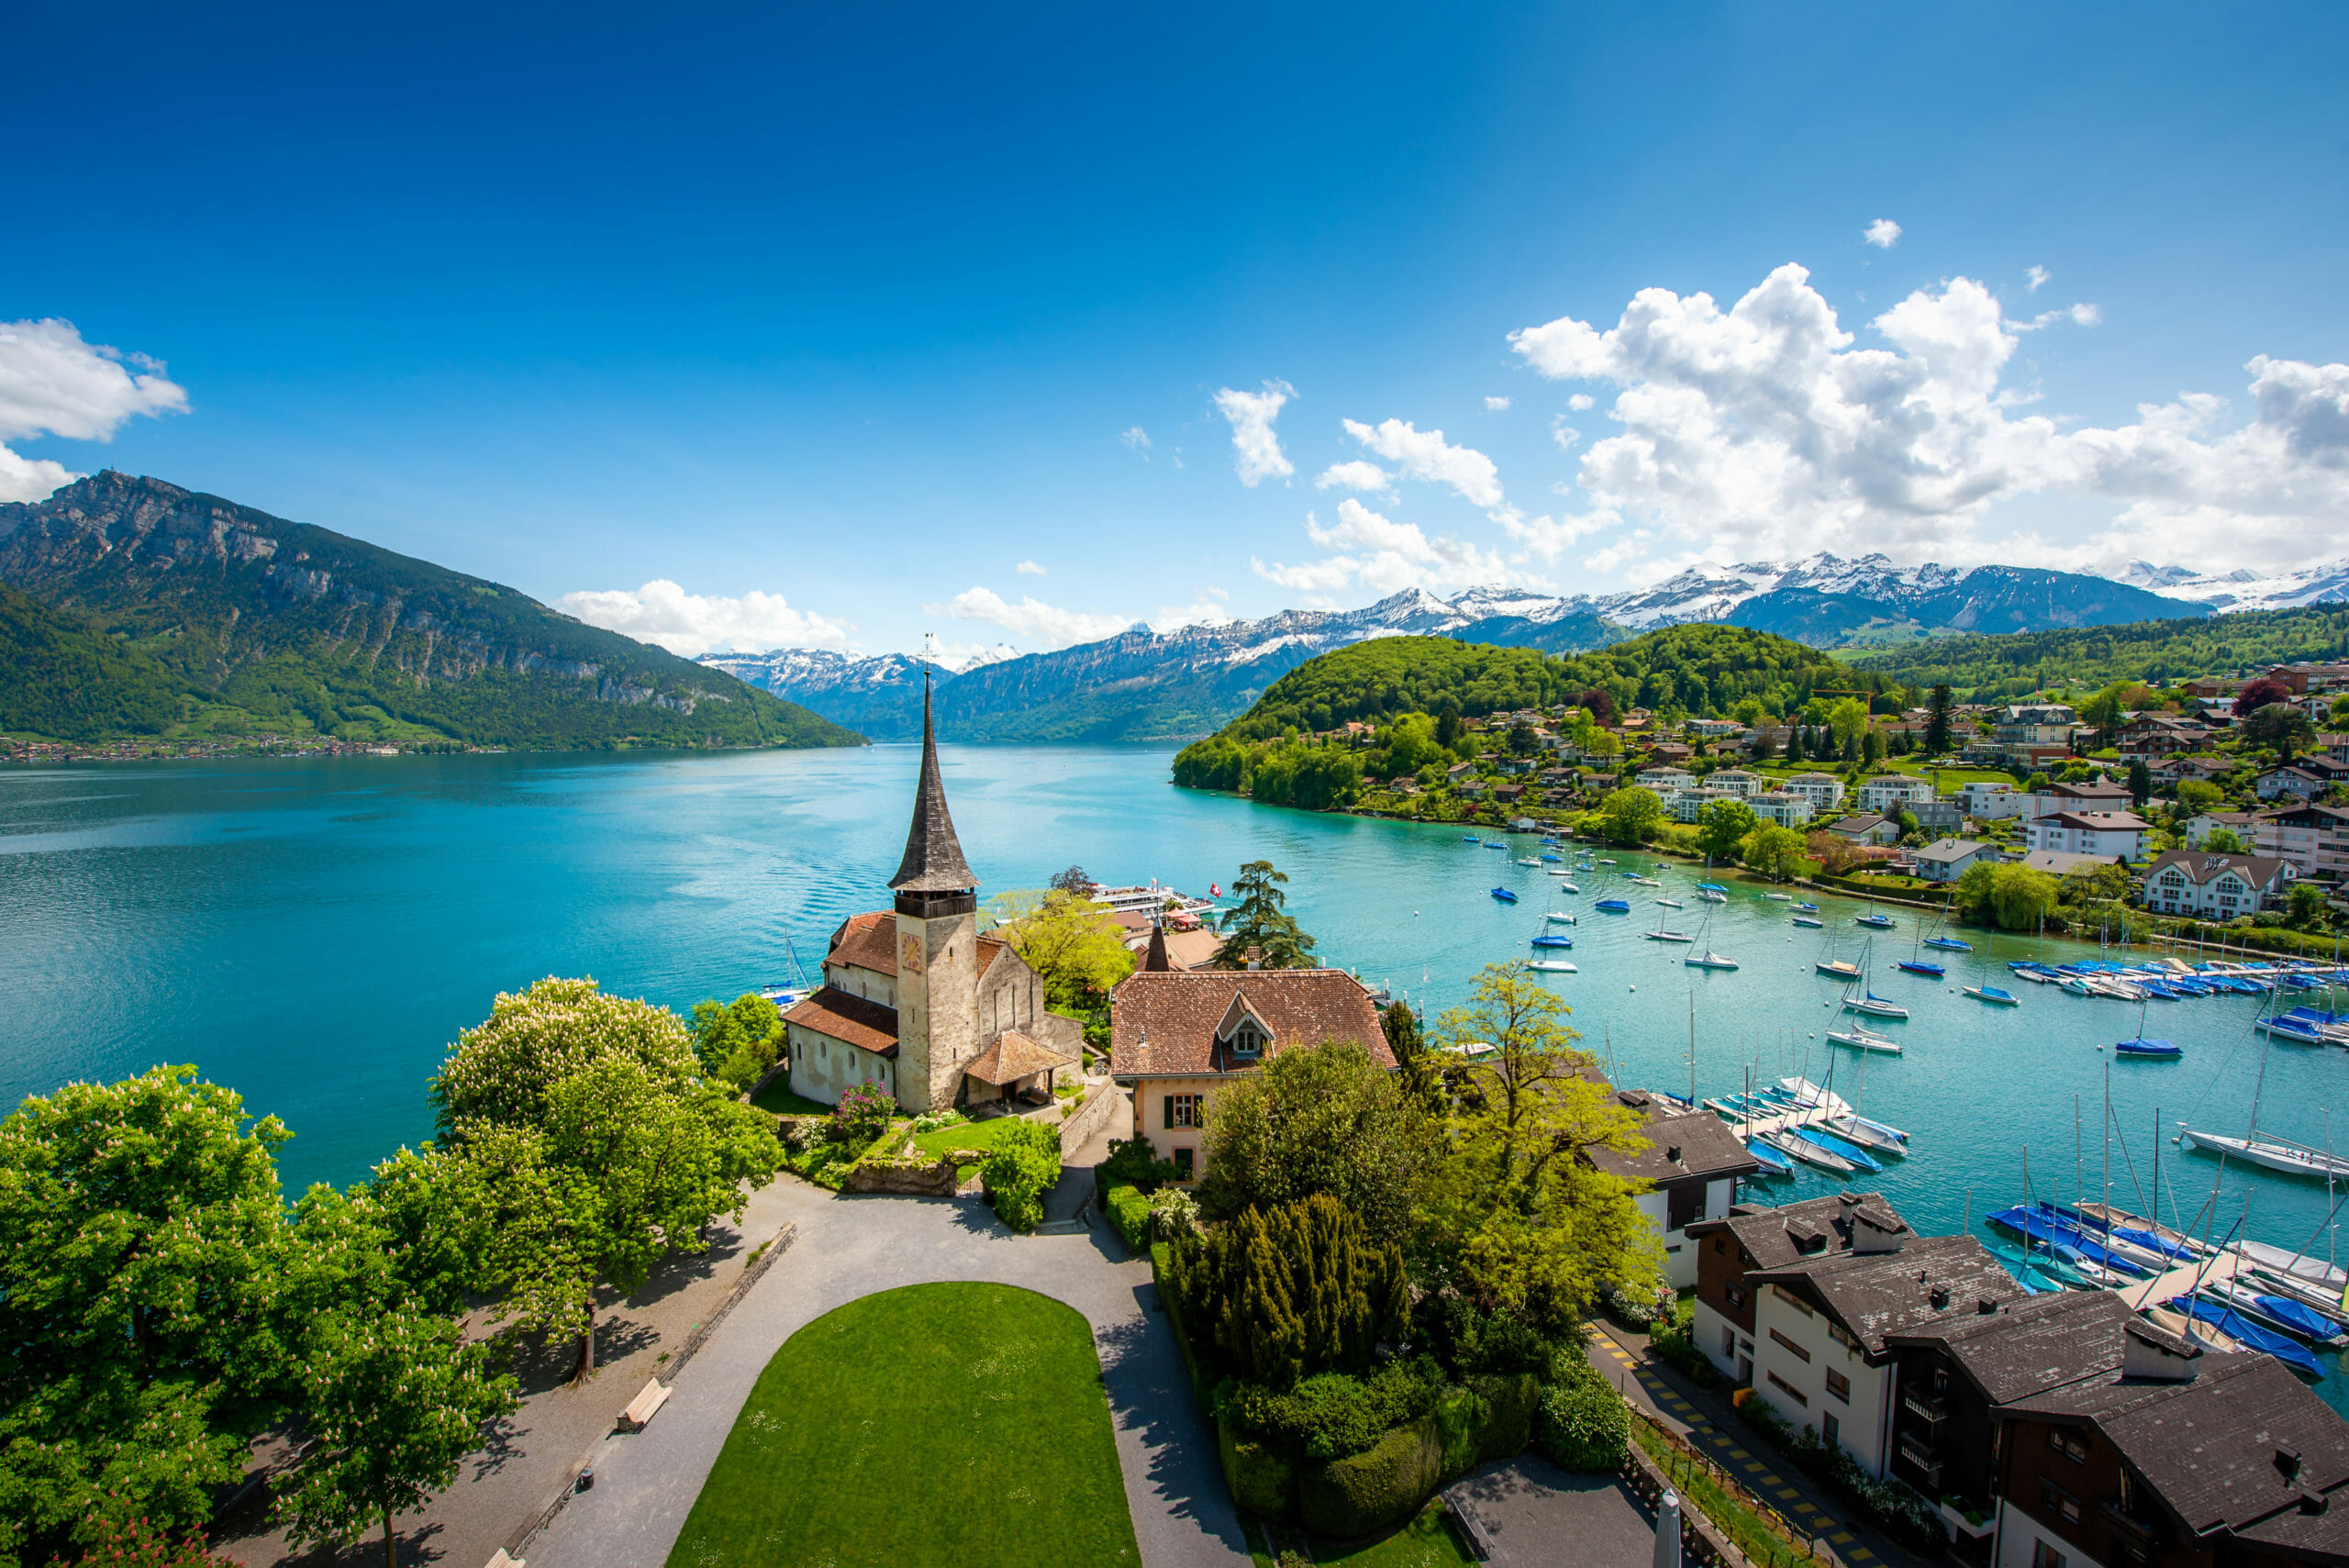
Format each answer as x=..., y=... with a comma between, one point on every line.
x=956, y=1423
x=981, y=1135
x=1763, y=1542
x=777, y=1099
x=1425, y=1542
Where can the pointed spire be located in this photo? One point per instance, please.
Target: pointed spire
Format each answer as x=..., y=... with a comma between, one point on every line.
x=933, y=862
x=1155, y=962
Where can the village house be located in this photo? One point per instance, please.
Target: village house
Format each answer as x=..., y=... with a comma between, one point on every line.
x=2314, y=838
x=1824, y=791
x=1177, y=1038
x=1946, y=860
x=2304, y=678
x=2200, y=766
x=1670, y=751
x=915, y=1000
x=2241, y=823
x=1714, y=728
x=2215, y=887
x=1867, y=828
x=2153, y=734
x=1784, y=809
x=2213, y=688
x=1692, y=1165
x=2106, y=834
x=2088, y=795
x=1888, y=792
x=2303, y=779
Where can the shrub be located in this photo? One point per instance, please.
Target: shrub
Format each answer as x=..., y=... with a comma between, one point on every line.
x=1131, y=1163
x=1294, y=1292
x=1674, y=1338
x=1129, y=1211
x=1902, y=1513
x=1175, y=1213
x=1582, y=1426
x=1331, y=1415
x=1631, y=1309
x=1263, y=1479
x=1469, y=1340
x=1508, y=1399
x=1461, y=1418
x=862, y=1114
x=1019, y=1172
x=933, y=1120
x=1374, y=1489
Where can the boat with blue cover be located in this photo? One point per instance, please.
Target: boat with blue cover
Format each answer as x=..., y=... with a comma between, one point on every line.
x=1806, y=907
x=1504, y=895
x=1811, y=923
x=1809, y=1153
x=2278, y=1312
x=1614, y=906
x=1996, y=996
x=1923, y=966
x=1843, y=1149
x=2037, y=1223
x=1553, y=941
x=2149, y=1049
x=2248, y=1334
x=1873, y=922
x=1773, y=1164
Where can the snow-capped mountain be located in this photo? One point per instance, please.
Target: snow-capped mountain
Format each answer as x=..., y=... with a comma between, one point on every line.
x=2243, y=590
x=1149, y=684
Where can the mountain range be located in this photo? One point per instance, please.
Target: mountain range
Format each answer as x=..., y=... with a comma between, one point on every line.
x=1148, y=684
x=138, y=606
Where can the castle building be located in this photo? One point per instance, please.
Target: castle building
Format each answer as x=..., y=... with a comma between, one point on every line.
x=916, y=999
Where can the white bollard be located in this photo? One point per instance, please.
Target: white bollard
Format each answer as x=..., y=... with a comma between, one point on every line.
x=1667, y=1530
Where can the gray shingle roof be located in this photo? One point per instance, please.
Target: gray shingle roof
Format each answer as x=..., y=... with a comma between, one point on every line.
x=1696, y=1145
x=2030, y=1345
x=1771, y=1236
x=1876, y=1294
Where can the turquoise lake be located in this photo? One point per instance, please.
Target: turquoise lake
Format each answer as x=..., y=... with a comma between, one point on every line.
x=314, y=934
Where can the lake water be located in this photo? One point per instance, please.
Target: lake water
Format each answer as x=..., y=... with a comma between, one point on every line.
x=314, y=934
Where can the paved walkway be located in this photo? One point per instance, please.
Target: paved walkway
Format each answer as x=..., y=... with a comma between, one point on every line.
x=1706, y=1424
x=852, y=1247
x=1526, y=1507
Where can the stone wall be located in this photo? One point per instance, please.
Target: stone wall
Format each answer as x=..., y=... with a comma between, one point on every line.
x=1076, y=1131
x=928, y=1178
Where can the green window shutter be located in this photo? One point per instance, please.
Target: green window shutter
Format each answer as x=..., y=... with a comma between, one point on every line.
x=1169, y=1102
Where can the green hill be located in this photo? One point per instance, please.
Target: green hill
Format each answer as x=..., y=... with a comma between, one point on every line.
x=163, y=611
x=1988, y=668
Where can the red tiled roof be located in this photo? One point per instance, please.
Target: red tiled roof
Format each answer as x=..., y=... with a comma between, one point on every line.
x=868, y=941
x=1167, y=1022
x=849, y=1018
x=1014, y=1056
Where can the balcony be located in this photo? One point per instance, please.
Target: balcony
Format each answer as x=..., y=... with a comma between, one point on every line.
x=1932, y=1408
x=1925, y=1461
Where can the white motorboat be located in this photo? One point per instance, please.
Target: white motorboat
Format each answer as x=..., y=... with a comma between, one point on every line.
x=1552, y=966
x=1561, y=917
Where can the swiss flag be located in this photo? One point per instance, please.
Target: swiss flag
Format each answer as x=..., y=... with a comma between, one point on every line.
x=1214, y=891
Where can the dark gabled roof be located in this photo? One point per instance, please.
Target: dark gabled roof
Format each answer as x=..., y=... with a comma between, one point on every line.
x=1173, y=1022
x=1696, y=1145
x=933, y=861
x=1770, y=1235
x=2030, y=1345
x=852, y=1019
x=1876, y=1294
x=1014, y=1056
x=2209, y=1446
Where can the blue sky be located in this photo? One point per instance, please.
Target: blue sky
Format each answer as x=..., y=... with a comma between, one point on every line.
x=833, y=318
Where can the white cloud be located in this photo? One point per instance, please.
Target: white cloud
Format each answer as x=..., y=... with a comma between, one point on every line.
x=53, y=384
x=1883, y=234
x=1137, y=438
x=1425, y=454
x=2038, y=276
x=1762, y=431
x=2078, y=314
x=1251, y=415
x=1582, y=401
x=1210, y=608
x=1355, y=475
x=1029, y=569
x=1032, y=620
x=1496, y=404
x=1566, y=435
x=690, y=624
x=1385, y=555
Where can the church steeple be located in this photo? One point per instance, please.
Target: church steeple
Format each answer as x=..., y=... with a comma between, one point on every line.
x=933, y=873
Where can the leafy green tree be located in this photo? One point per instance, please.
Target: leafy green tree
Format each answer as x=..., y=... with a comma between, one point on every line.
x=2196, y=797
x=1765, y=748
x=1447, y=725
x=1323, y=1118
x=1074, y=945
x=1776, y=851
x=1401, y=1027
x=1521, y=739
x=2281, y=727
x=1020, y=1171
x=503, y=1069
x=2304, y=906
x=738, y=1041
x=2107, y=883
x=393, y=1400
x=142, y=1236
x=1293, y=1291
x=2105, y=711
x=2224, y=842
x=1515, y=1220
x=2141, y=783
x=1630, y=814
x=1722, y=826
x=1939, y=707
x=1847, y=721
x=1872, y=746
x=1747, y=711
x=1073, y=881
x=1259, y=921
x=2013, y=897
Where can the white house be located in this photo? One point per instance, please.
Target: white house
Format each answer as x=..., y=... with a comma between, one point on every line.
x=1946, y=860
x=1692, y=1165
x=1737, y=780
x=2217, y=888
x=1689, y=804
x=1666, y=781
x=2105, y=834
x=1824, y=791
x=1987, y=802
x=1867, y=829
x=1890, y=791
x=1784, y=809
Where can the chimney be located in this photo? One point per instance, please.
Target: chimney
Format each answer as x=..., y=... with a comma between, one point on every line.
x=2288, y=1460
x=1871, y=1235
x=2149, y=1354
x=1939, y=1297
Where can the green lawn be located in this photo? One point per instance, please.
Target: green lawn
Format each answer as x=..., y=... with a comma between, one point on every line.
x=777, y=1099
x=937, y=1424
x=1425, y=1542
x=981, y=1135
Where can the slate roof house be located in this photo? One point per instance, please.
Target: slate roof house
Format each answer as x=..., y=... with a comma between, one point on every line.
x=1692, y=1163
x=1176, y=1037
x=2218, y=887
x=915, y=999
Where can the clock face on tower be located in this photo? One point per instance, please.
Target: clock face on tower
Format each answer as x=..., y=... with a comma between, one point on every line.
x=910, y=954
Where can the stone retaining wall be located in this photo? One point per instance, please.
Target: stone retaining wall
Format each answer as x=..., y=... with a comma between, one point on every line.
x=931, y=1178
x=1076, y=1131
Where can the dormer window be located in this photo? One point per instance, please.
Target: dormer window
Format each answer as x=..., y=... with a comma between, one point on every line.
x=1247, y=1039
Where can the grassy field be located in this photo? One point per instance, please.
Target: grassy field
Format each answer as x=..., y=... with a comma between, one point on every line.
x=980, y=1135
x=1425, y=1542
x=777, y=1099
x=956, y=1423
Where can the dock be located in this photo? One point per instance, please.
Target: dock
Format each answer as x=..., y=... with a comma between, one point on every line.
x=2182, y=1280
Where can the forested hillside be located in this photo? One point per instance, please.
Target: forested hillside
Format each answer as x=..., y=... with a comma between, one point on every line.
x=1987, y=668
x=263, y=626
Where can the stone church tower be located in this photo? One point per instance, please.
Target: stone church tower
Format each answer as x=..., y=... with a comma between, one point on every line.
x=938, y=945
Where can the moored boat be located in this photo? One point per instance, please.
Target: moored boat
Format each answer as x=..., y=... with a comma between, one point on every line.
x=1873, y=922
x=2148, y=1049
x=1504, y=895
x=1860, y=1038
x=2275, y=1154
x=1875, y=1006
x=1614, y=906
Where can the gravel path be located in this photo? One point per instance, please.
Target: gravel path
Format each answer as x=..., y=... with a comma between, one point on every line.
x=852, y=1247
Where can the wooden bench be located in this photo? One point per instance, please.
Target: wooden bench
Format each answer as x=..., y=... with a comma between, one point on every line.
x=641, y=1408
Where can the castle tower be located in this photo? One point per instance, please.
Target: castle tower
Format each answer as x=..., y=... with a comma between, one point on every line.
x=938, y=945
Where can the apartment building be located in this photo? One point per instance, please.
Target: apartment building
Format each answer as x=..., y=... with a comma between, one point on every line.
x=2106, y=834
x=1890, y=792
x=1666, y=782
x=1987, y=802
x=2314, y=838
x=1784, y=809
x=1824, y=791
x=1688, y=805
x=1738, y=781
x=1732, y=1247
x=1692, y=1165
x=2215, y=887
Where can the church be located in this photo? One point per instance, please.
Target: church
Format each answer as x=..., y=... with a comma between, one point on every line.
x=916, y=999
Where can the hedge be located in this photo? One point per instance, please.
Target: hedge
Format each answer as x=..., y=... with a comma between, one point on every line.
x=1508, y=1399
x=1129, y=1210
x=1262, y=1481
x=1582, y=1426
x=1460, y=1421
x=1370, y=1491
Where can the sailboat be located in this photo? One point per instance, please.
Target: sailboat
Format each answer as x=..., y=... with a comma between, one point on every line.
x=1707, y=958
x=1869, y=1002
x=2274, y=1153
x=1839, y=968
x=1941, y=938
x=1916, y=964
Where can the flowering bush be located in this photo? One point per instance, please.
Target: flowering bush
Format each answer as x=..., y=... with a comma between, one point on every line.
x=503, y=1071
x=1175, y=1213
x=141, y=1545
x=933, y=1120
x=862, y=1114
